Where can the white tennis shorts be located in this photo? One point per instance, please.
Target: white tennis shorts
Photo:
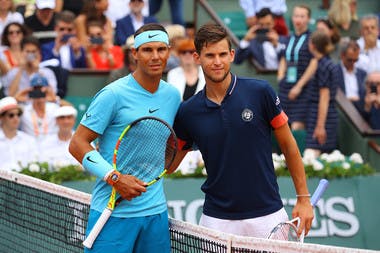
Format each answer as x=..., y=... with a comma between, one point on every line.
x=256, y=227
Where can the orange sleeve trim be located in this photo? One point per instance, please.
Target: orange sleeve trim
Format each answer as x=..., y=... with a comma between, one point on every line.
x=181, y=144
x=279, y=120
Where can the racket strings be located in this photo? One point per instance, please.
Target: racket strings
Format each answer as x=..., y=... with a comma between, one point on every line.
x=144, y=150
x=284, y=231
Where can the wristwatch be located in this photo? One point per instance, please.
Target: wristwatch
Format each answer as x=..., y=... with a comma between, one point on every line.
x=113, y=178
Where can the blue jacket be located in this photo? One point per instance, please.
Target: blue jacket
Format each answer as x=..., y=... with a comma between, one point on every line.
x=124, y=28
x=255, y=50
x=360, y=77
x=47, y=54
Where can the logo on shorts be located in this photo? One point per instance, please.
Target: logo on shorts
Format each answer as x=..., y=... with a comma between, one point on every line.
x=247, y=115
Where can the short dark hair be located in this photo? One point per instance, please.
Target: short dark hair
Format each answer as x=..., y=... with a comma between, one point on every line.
x=264, y=12
x=304, y=6
x=65, y=16
x=351, y=44
x=4, y=36
x=150, y=27
x=30, y=40
x=321, y=41
x=210, y=33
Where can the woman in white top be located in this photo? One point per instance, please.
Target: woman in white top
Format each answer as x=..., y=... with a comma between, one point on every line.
x=188, y=78
x=7, y=15
x=17, y=149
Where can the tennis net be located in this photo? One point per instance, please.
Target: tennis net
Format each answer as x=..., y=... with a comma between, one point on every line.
x=38, y=216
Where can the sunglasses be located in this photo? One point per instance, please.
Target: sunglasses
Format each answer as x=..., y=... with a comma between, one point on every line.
x=186, y=51
x=11, y=115
x=14, y=32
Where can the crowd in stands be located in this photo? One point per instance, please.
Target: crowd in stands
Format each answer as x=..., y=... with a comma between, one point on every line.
x=43, y=40
x=342, y=51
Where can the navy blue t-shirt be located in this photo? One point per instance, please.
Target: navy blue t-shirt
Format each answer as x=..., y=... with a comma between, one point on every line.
x=235, y=141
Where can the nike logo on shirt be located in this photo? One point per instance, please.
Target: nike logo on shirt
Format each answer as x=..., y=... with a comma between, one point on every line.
x=153, y=110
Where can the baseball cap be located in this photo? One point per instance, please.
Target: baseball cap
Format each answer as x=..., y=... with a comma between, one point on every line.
x=45, y=4
x=8, y=103
x=66, y=110
x=38, y=80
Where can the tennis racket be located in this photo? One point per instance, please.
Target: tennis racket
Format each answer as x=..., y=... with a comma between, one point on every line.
x=288, y=230
x=145, y=149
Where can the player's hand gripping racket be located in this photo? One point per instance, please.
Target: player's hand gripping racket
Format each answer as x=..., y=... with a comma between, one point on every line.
x=145, y=149
x=288, y=230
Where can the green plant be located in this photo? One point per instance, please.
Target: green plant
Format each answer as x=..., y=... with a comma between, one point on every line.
x=56, y=174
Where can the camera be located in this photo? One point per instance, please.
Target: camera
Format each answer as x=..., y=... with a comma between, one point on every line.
x=373, y=88
x=262, y=31
x=36, y=93
x=66, y=37
x=96, y=40
x=30, y=57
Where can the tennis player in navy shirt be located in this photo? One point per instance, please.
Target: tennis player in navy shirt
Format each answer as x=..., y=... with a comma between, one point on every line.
x=231, y=121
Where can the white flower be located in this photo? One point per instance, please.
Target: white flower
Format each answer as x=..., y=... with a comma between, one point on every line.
x=34, y=167
x=204, y=171
x=308, y=157
x=346, y=165
x=317, y=165
x=276, y=165
x=356, y=158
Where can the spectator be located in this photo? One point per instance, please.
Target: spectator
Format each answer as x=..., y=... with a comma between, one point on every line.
x=342, y=13
x=322, y=117
x=188, y=78
x=12, y=36
x=118, y=9
x=295, y=70
x=25, y=7
x=277, y=7
x=328, y=27
x=75, y=6
x=17, y=148
x=54, y=149
x=42, y=21
x=99, y=54
x=18, y=78
x=262, y=43
x=352, y=78
x=38, y=119
x=372, y=100
x=369, y=58
x=175, y=32
x=66, y=47
x=93, y=10
x=7, y=15
x=128, y=25
x=129, y=62
x=190, y=30
x=176, y=10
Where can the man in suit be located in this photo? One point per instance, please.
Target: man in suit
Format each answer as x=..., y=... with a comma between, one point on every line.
x=352, y=78
x=262, y=43
x=127, y=26
x=66, y=47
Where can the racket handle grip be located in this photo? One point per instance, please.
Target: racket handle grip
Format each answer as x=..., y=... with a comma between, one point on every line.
x=97, y=228
x=322, y=186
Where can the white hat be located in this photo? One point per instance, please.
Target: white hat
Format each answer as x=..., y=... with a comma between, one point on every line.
x=66, y=110
x=8, y=103
x=45, y=4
